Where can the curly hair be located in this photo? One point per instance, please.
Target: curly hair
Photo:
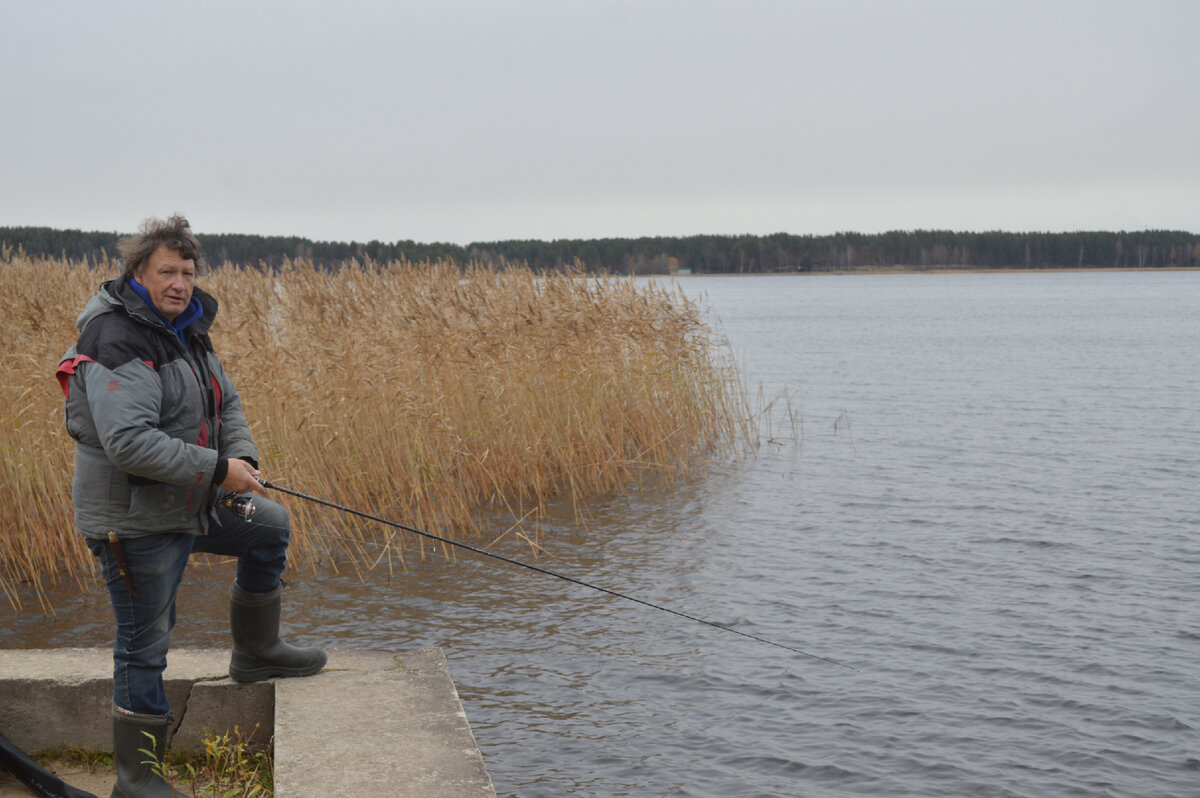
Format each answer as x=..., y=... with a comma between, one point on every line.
x=175, y=234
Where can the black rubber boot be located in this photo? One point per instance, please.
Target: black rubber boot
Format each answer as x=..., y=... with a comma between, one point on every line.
x=135, y=776
x=258, y=653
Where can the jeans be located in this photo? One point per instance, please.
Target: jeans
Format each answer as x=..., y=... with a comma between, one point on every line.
x=155, y=564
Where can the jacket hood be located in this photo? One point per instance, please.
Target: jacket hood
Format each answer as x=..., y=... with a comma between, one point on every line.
x=116, y=296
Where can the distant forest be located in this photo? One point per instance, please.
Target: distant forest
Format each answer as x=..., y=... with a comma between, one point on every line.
x=703, y=254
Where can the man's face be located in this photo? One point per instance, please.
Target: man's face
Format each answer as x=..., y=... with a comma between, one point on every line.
x=169, y=278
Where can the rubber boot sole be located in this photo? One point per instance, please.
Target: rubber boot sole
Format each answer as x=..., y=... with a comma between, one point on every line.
x=260, y=673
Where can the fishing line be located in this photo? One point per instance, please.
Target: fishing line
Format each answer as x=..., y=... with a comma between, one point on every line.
x=547, y=572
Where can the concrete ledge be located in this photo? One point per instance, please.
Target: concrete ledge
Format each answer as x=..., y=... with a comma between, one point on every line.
x=376, y=724
x=371, y=723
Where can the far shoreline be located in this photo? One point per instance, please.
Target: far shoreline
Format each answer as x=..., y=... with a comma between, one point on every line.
x=887, y=270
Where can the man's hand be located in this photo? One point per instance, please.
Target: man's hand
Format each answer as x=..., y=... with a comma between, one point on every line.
x=241, y=478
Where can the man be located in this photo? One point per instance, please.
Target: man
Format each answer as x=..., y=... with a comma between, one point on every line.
x=160, y=440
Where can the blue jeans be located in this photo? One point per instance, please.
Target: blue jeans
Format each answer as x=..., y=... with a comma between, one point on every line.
x=155, y=565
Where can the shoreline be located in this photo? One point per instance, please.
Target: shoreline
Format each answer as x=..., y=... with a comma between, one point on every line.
x=885, y=270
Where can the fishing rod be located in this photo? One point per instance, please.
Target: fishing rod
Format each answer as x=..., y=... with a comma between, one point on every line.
x=243, y=506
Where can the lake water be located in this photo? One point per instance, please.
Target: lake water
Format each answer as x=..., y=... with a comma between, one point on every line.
x=991, y=515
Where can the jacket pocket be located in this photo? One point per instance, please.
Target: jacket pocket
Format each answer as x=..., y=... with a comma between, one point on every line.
x=157, y=505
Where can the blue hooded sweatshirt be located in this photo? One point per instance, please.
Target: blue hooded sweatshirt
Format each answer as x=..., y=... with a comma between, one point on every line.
x=193, y=312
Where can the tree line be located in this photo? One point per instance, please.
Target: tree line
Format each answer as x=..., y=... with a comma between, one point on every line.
x=701, y=254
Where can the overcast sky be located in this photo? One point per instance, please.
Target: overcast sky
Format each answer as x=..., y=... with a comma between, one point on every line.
x=484, y=119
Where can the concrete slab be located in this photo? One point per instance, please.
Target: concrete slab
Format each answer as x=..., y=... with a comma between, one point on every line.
x=376, y=724
x=371, y=723
x=50, y=698
x=220, y=706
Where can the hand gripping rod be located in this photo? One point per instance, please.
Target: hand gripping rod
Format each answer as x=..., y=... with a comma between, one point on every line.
x=547, y=572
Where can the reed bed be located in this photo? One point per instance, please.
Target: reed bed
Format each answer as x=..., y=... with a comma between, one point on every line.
x=441, y=396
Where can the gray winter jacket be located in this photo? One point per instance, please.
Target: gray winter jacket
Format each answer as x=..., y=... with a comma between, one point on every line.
x=151, y=417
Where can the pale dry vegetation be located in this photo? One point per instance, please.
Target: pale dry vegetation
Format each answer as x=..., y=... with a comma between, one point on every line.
x=442, y=397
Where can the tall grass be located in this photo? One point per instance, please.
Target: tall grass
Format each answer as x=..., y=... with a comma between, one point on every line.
x=429, y=393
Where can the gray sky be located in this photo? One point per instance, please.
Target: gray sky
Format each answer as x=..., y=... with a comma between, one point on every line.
x=475, y=121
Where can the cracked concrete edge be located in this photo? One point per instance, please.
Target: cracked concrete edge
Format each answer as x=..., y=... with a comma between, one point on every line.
x=54, y=698
x=225, y=706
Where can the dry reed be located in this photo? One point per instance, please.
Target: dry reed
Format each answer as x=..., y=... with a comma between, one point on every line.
x=427, y=393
